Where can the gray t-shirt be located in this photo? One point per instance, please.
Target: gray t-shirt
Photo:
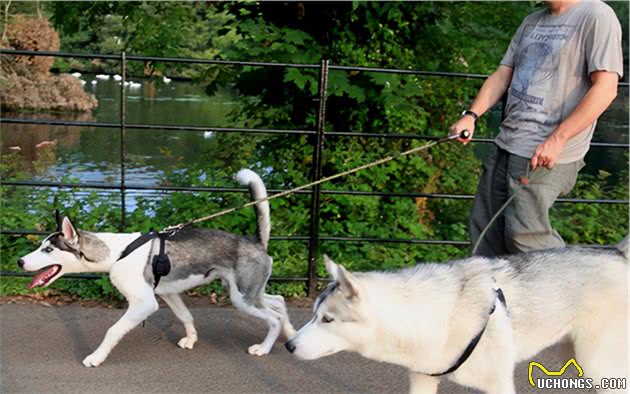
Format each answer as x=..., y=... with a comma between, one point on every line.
x=553, y=57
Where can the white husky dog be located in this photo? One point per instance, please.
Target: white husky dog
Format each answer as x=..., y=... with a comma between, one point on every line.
x=471, y=320
x=197, y=256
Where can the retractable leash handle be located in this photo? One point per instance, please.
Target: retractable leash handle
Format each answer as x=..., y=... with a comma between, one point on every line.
x=464, y=134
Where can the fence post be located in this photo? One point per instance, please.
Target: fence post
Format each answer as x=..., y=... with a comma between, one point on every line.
x=313, y=244
x=123, y=99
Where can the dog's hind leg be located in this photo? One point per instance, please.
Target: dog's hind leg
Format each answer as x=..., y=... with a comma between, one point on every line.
x=175, y=302
x=601, y=349
x=142, y=303
x=276, y=302
x=273, y=319
x=422, y=384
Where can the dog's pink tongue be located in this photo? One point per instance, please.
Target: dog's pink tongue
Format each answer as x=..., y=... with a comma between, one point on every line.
x=41, y=278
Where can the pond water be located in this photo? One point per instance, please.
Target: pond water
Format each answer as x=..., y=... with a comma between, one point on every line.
x=89, y=154
x=92, y=154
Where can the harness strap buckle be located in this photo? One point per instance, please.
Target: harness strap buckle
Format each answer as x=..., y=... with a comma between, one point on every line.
x=161, y=264
x=172, y=230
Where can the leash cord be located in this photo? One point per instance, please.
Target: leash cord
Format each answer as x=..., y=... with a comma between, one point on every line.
x=505, y=204
x=174, y=229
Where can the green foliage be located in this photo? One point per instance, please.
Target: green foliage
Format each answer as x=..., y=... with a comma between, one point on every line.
x=161, y=29
x=599, y=224
x=462, y=37
x=365, y=34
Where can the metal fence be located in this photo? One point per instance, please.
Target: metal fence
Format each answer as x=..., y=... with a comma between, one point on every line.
x=313, y=238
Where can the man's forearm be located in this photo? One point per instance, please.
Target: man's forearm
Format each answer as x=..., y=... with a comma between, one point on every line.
x=592, y=105
x=595, y=101
x=492, y=90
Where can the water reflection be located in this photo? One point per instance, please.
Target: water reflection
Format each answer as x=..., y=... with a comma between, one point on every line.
x=90, y=154
x=36, y=143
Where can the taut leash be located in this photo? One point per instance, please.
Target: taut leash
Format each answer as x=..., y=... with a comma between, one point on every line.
x=465, y=134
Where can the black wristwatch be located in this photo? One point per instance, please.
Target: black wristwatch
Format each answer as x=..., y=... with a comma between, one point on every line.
x=471, y=113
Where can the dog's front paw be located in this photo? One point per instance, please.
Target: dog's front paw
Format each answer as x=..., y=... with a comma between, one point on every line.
x=258, y=350
x=94, y=360
x=187, y=342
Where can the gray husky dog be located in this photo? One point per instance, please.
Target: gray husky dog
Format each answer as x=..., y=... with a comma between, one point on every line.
x=471, y=320
x=197, y=256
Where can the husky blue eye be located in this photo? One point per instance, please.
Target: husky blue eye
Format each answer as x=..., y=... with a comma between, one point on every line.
x=47, y=249
x=326, y=319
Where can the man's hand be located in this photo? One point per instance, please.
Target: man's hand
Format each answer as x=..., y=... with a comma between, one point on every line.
x=466, y=122
x=491, y=91
x=595, y=101
x=548, y=152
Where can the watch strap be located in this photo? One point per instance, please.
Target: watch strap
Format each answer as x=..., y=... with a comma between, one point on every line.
x=471, y=113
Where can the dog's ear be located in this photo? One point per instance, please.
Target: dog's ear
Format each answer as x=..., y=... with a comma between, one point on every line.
x=58, y=220
x=347, y=282
x=68, y=230
x=331, y=267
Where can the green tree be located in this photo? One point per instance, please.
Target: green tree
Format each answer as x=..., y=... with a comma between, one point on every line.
x=463, y=37
x=161, y=29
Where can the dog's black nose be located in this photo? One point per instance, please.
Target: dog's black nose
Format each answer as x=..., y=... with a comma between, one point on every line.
x=21, y=263
x=290, y=346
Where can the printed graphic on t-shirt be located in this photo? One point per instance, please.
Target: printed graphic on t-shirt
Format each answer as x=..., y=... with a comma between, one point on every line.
x=537, y=60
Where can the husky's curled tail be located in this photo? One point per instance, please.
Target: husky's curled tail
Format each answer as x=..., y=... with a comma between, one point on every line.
x=257, y=191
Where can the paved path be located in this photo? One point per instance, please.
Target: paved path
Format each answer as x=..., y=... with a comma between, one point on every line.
x=41, y=349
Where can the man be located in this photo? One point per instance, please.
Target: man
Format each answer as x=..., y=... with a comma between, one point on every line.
x=561, y=69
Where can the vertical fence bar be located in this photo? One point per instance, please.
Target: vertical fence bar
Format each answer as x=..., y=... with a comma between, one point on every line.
x=313, y=245
x=123, y=109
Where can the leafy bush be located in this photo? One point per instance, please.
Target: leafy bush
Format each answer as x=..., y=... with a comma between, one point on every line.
x=459, y=37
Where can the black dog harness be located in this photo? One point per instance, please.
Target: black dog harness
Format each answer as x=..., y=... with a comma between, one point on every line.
x=473, y=343
x=161, y=264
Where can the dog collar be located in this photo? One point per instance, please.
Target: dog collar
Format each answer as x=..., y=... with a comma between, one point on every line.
x=473, y=343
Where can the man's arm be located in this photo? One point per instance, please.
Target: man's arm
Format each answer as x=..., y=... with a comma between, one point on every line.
x=600, y=95
x=490, y=93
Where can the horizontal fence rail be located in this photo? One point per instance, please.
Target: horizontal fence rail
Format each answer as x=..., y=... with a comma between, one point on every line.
x=129, y=186
x=15, y=52
x=314, y=238
x=154, y=59
x=110, y=125
x=326, y=238
x=244, y=130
